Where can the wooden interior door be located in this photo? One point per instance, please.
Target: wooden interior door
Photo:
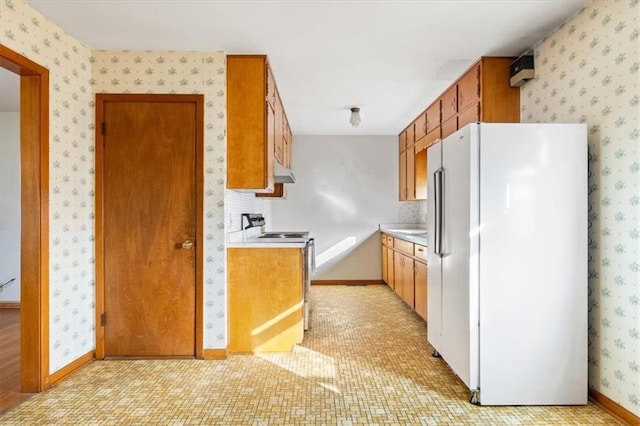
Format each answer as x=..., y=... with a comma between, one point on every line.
x=149, y=228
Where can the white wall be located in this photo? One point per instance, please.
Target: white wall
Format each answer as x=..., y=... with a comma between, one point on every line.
x=345, y=187
x=10, y=205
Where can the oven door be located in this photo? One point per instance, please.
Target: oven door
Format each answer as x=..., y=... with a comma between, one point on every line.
x=309, y=265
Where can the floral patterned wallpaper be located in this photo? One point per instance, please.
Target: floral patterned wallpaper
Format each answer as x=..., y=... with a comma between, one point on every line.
x=589, y=71
x=71, y=180
x=186, y=72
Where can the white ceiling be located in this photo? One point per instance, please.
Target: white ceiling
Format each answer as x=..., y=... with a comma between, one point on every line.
x=390, y=58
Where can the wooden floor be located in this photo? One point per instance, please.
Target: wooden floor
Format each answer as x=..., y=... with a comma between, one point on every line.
x=10, y=359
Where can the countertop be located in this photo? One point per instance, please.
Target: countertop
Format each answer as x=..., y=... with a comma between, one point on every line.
x=416, y=233
x=245, y=239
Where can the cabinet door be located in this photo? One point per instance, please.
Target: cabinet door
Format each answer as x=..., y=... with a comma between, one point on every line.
x=469, y=115
x=433, y=116
x=411, y=135
x=403, y=175
x=407, y=281
x=449, y=126
x=420, y=280
x=390, y=268
x=420, y=127
x=271, y=88
x=402, y=141
x=450, y=103
x=398, y=275
x=421, y=175
x=279, y=131
x=469, y=88
x=271, y=140
x=411, y=174
x=383, y=251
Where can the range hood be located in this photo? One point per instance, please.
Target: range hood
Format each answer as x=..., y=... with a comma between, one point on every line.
x=282, y=174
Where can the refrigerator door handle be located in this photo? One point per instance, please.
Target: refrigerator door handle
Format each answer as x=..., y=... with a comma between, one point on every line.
x=437, y=179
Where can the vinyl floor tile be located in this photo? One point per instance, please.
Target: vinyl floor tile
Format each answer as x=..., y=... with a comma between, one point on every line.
x=365, y=361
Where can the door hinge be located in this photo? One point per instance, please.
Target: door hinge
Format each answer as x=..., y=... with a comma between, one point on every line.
x=103, y=319
x=104, y=128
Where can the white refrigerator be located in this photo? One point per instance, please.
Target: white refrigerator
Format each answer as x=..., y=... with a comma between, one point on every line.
x=507, y=263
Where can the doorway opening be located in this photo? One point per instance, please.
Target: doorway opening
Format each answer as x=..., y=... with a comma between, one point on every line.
x=34, y=219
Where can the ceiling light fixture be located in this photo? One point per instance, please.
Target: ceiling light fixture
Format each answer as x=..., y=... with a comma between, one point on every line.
x=355, y=117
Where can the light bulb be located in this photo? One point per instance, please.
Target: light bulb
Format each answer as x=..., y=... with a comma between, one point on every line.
x=355, y=117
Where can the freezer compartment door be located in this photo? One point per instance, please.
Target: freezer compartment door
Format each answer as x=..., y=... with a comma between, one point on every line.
x=459, y=306
x=434, y=270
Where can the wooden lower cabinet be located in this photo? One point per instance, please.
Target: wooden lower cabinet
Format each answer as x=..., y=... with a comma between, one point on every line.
x=383, y=260
x=408, y=285
x=420, y=279
x=265, y=299
x=404, y=266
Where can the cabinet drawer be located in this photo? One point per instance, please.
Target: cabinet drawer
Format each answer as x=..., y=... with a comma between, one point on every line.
x=420, y=252
x=404, y=246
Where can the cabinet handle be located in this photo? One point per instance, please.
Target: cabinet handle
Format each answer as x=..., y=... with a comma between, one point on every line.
x=453, y=103
x=460, y=99
x=420, y=249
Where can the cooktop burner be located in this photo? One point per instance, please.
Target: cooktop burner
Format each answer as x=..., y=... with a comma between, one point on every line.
x=283, y=235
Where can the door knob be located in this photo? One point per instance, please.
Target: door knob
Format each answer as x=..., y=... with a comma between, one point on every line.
x=187, y=244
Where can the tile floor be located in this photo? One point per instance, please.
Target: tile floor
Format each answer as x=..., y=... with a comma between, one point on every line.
x=365, y=361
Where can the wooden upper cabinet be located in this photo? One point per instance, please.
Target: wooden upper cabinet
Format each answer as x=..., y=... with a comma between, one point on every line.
x=482, y=93
x=251, y=124
x=279, y=131
x=411, y=135
x=499, y=102
x=469, y=88
x=411, y=175
x=420, y=127
x=403, y=175
x=271, y=88
x=469, y=115
x=433, y=116
x=450, y=103
x=402, y=141
x=288, y=139
x=450, y=126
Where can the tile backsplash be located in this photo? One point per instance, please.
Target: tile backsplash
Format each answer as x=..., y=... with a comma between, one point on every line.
x=412, y=212
x=237, y=202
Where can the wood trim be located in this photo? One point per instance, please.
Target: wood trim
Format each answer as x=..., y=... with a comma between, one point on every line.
x=9, y=305
x=198, y=99
x=71, y=367
x=215, y=354
x=99, y=224
x=34, y=271
x=613, y=408
x=347, y=282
